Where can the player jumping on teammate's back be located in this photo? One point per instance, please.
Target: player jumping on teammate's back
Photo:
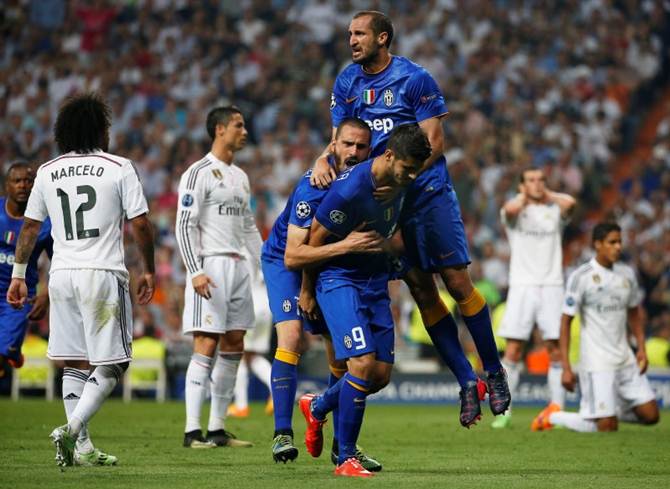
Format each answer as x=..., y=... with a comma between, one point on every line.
x=88, y=194
x=352, y=290
x=606, y=295
x=388, y=91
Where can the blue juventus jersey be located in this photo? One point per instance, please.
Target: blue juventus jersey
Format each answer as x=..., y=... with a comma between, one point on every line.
x=299, y=211
x=9, y=234
x=348, y=204
x=402, y=93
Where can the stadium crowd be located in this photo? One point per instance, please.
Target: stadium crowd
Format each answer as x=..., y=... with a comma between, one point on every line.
x=563, y=88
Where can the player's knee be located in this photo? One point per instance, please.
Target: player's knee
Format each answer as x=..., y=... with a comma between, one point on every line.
x=361, y=366
x=289, y=337
x=379, y=382
x=608, y=424
x=458, y=282
x=650, y=416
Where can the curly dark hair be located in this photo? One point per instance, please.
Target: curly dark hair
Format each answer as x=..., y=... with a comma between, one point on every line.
x=83, y=124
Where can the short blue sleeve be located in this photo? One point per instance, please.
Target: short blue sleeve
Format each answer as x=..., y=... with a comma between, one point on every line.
x=425, y=96
x=305, y=202
x=339, y=109
x=337, y=213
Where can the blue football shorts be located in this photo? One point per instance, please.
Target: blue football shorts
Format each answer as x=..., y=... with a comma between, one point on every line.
x=283, y=291
x=359, y=320
x=433, y=232
x=13, y=326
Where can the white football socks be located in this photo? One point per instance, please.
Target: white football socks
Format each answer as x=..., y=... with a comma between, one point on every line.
x=197, y=376
x=556, y=390
x=222, y=388
x=74, y=380
x=513, y=373
x=573, y=421
x=242, y=386
x=98, y=387
x=262, y=369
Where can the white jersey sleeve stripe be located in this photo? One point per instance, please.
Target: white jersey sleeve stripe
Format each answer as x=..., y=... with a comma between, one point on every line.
x=190, y=184
x=187, y=248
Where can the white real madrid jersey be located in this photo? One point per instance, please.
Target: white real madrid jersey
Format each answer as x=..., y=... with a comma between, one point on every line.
x=602, y=297
x=214, y=216
x=87, y=197
x=535, y=243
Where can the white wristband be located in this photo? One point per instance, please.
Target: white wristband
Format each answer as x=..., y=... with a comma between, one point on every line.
x=19, y=270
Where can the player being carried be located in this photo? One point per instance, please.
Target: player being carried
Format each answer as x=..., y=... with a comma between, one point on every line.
x=387, y=91
x=612, y=380
x=87, y=193
x=352, y=290
x=534, y=220
x=284, y=253
x=19, y=181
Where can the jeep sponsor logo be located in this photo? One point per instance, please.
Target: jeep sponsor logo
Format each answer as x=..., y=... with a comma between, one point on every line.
x=385, y=125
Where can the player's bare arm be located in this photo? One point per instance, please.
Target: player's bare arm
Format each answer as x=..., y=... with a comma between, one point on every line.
x=17, y=293
x=564, y=201
x=144, y=237
x=299, y=254
x=568, y=379
x=40, y=305
x=636, y=322
x=515, y=205
x=322, y=173
x=433, y=129
x=307, y=300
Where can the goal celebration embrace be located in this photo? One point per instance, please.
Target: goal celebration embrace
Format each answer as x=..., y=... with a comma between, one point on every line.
x=286, y=242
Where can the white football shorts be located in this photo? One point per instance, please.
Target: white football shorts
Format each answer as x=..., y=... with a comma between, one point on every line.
x=90, y=316
x=606, y=394
x=230, y=307
x=528, y=305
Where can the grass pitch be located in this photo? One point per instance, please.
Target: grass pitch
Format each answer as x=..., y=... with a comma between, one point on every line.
x=420, y=446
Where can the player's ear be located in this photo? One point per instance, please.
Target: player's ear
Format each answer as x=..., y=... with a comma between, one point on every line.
x=382, y=38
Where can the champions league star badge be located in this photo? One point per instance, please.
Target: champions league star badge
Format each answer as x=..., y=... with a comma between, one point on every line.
x=187, y=200
x=338, y=217
x=303, y=209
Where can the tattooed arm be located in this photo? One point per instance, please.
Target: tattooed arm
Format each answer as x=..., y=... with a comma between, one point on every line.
x=18, y=292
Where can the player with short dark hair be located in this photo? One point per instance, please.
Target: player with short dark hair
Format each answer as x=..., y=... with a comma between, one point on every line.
x=534, y=220
x=87, y=193
x=285, y=253
x=216, y=230
x=19, y=180
x=612, y=380
x=352, y=290
x=387, y=91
